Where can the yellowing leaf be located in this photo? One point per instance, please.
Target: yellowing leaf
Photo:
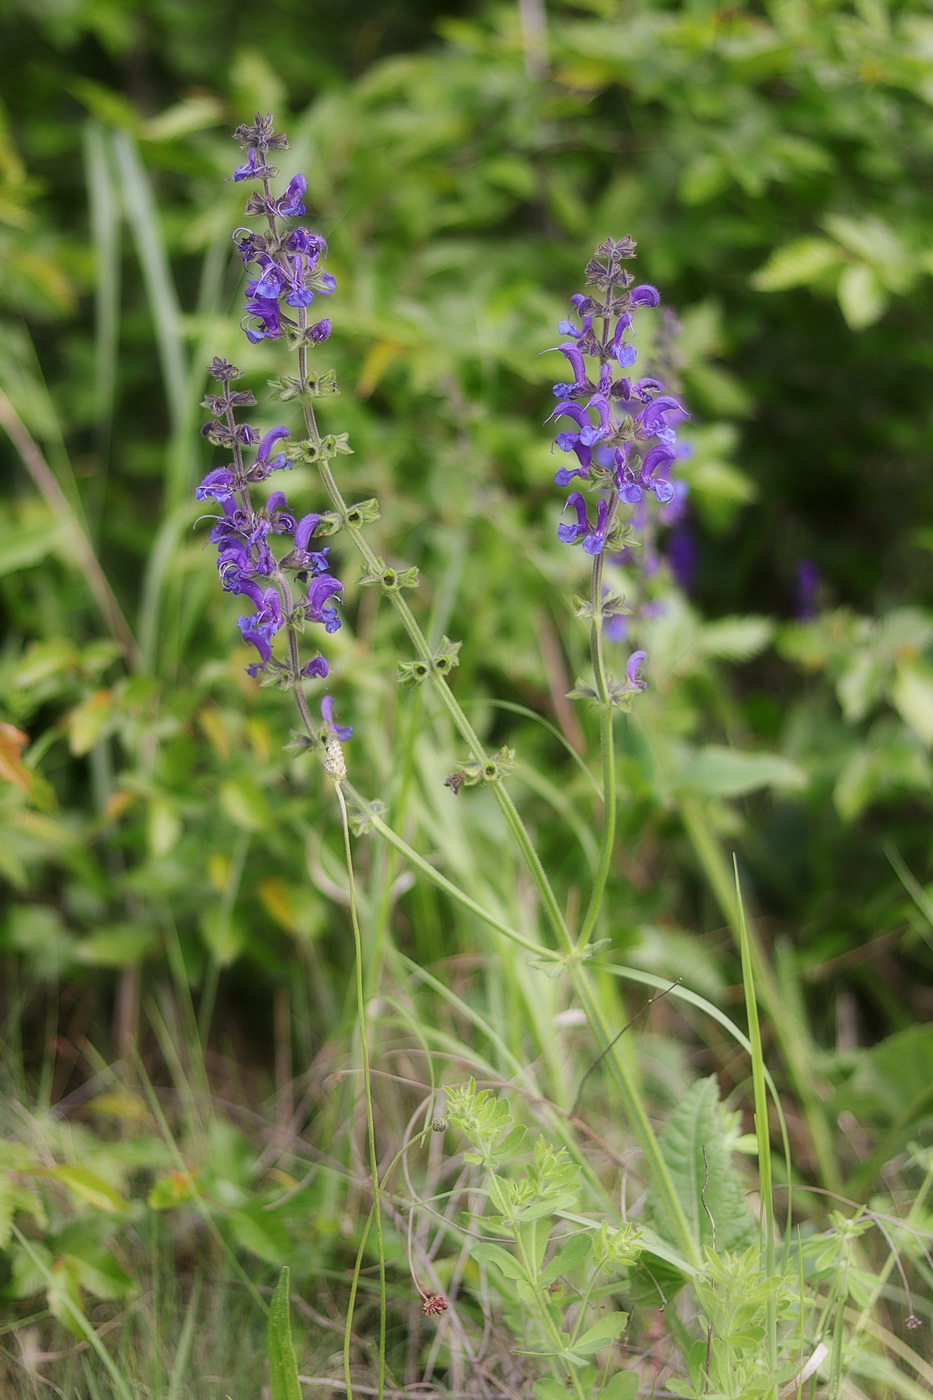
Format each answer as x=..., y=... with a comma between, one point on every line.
x=12, y=768
x=86, y=722
x=86, y=1186
x=172, y=1189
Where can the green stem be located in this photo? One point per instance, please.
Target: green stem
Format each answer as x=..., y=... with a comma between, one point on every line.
x=788, y=1032
x=634, y=1109
x=621, y=1073
x=367, y=1088
x=606, y=742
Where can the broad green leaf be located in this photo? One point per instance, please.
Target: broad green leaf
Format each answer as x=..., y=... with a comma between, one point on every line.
x=736, y=638
x=547, y=1388
x=98, y=1271
x=568, y=1256
x=563, y=1200
x=89, y=1188
x=891, y=760
x=504, y=1262
x=63, y=1295
x=283, y=1364
x=23, y=547
x=261, y=1233
x=163, y=825
x=223, y=936
x=862, y=298
x=115, y=947
x=14, y=1198
x=797, y=264
x=710, y=1190
x=88, y=721
x=601, y=1334
x=717, y=771
x=245, y=804
x=912, y=694
x=622, y=1386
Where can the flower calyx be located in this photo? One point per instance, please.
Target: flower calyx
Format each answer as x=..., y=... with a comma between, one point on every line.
x=310, y=451
x=390, y=580
x=315, y=386
x=414, y=673
x=489, y=770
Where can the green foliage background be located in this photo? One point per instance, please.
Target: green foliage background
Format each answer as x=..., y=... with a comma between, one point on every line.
x=773, y=161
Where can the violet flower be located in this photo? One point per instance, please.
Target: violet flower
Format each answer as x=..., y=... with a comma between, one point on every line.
x=285, y=263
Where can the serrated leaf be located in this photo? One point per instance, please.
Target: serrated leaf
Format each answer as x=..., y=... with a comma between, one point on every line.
x=601, y=1334
x=98, y=1271
x=708, y=1187
x=283, y=1365
x=797, y=264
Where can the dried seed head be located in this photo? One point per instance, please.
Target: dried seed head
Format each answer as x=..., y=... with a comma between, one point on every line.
x=334, y=763
x=434, y=1304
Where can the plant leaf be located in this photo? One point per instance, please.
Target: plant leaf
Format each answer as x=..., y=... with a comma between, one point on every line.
x=283, y=1366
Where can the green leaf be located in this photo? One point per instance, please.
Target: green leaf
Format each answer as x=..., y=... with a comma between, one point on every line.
x=709, y=1188
x=63, y=1296
x=622, y=1386
x=89, y=1188
x=568, y=1257
x=116, y=946
x=862, y=298
x=797, y=264
x=736, y=638
x=23, y=547
x=912, y=695
x=245, y=804
x=601, y=1334
x=504, y=1262
x=98, y=1271
x=173, y=1189
x=717, y=771
x=14, y=1198
x=283, y=1365
x=261, y=1233
x=163, y=825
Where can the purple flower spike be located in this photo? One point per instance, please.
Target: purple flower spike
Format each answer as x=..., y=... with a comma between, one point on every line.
x=342, y=731
x=319, y=609
x=217, y=486
x=316, y=669
x=290, y=205
x=593, y=543
x=568, y=534
x=645, y=295
x=633, y=670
